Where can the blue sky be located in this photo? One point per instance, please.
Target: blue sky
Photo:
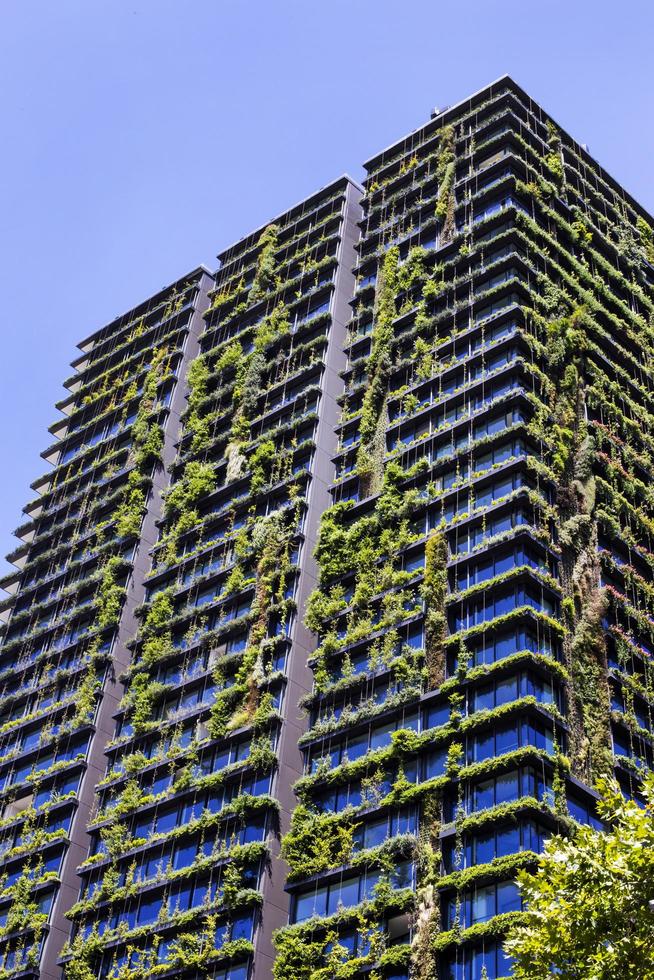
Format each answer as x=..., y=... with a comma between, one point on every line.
x=142, y=136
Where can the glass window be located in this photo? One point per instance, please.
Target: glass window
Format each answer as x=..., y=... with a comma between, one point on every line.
x=166, y=821
x=484, y=794
x=507, y=739
x=402, y=877
x=484, y=746
x=142, y=828
x=345, y=894
x=148, y=911
x=381, y=735
x=375, y=834
x=508, y=841
x=414, y=562
x=507, y=690
x=434, y=764
x=191, y=811
x=485, y=849
x=436, y=715
x=242, y=927
x=484, y=698
x=508, y=897
x=506, y=787
x=483, y=904
x=185, y=855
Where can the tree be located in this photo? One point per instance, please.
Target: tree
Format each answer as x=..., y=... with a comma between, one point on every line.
x=587, y=914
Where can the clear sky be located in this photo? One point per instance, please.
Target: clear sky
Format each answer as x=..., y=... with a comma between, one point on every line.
x=142, y=136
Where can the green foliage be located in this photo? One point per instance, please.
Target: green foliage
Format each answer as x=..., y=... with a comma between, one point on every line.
x=146, y=434
x=198, y=480
x=147, y=444
x=646, y=238
x=272, y=327
x=338, y=544
x=423, y=356
x=129, y=514
x=433, y=287
x=299, y=956
x=247, y=388
x=588, y=914
x=434, y=592
x=265, y=544
x=413, y=270
x=370, y=455
x=316, y=842
x=582, y=232
x=198, y=378
x=555, y=166
x=324, y=605
x=261, y=465
x=140, y=701
x=312, y=951
x=264, y=276
x=591, y=745
x=159, y=613
x=231, y=357
x=155, y=630
x=197, y=423
x=446, y=172
x=554, y=160
x=83, y=952
x=110, y=593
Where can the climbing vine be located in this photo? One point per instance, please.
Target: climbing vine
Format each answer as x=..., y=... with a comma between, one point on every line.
x=372, y=428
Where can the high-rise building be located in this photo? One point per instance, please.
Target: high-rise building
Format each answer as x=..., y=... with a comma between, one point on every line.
x=484, y=609
x=198, y=788
x=79, y=577
x=339, y=596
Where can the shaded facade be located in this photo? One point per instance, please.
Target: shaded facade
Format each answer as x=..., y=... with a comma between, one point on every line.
x=79, y=577
x=338, y=597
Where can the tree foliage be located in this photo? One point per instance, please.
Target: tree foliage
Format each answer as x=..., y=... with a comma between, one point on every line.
x=588, y=915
